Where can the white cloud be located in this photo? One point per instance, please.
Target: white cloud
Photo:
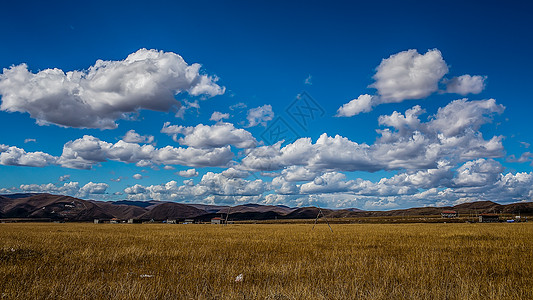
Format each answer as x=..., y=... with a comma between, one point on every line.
x=68, y=188
x=14, y=156
x=85, y=152
x=478, y=173
x=92, y=188
x=107, y=91
x=409, y=75
x=452, y=134
x=460, y=115
x=466, y=84
x=234, y=173
x=525, y=157
x=137, y=176
x=329, y=182
x=238, y=106
x=29, y=141
x=218, y=116
x=133, y=137
x=297, y=173
x=188, y=105
x=205, y=136
x=211, y=185
x=283, y=187
x=188, y=173
x=260, y=115
x=193, y=157
x=362, y=104
x=64, y=178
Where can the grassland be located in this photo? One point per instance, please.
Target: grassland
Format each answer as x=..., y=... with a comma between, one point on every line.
x=359, y=261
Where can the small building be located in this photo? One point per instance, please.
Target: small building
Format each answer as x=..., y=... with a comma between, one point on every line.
x=96, y=221
x=114, y=221
x=188, y=221
x=489, y=218
x=173, y=221
x=449, y=214
x=217, y=220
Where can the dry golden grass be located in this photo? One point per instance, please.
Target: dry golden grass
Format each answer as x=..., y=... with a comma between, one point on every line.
x=366, y=261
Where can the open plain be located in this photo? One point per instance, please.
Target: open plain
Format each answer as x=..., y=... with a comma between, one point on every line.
x=277, y=261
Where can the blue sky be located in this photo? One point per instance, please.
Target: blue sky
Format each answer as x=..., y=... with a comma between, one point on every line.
x=413, y=104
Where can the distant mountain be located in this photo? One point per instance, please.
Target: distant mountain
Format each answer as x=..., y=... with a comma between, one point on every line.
x=143, y=204
x=209, y=208
x=58, y=207
x=171, y=210
x=257, y=208
x=306, y=213
x=121, y=211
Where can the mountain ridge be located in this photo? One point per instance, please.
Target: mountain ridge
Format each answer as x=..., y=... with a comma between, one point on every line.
x=60, y=207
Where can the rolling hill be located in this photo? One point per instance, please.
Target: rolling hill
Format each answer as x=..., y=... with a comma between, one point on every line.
x=66, y=208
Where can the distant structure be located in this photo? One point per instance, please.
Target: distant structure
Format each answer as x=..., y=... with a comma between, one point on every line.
x=188, y=221
x=96, y=221
x=114, y=221
x=171, y=221
x=217, y=220
x=489, y=218
x=449, y=214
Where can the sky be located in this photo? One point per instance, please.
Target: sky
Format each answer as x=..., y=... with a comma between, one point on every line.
x=375, y=105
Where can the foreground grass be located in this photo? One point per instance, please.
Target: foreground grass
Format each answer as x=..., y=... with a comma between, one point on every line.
x=367, y=261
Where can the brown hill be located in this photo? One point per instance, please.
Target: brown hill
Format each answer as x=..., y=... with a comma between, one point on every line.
x=257, y=208
x=307, y=213
x=483, y=206
x=525, y=208
x=171, y=210
x=209, y=208
x=55, y=207
x=121, y=211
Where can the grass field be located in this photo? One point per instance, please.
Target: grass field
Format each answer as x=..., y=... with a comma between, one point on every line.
x=366, y=261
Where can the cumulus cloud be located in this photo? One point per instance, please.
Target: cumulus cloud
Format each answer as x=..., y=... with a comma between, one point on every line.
x=328, y=182
x=260, y=115
x=92, y=188
x=14, y=156
x=105, y=92
x=298, y=173
x=362, y=104
x=211, y=185
x=68, y=188
x=460, y=115
x=477, y=173
x=452, y=134
x=137, y=176
x=188, y=173
x=466, y=84
x=133, y=137
x=85, y=152
x=205, y=136
x=409, y=75
x=235, y=173
x=218, y=116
